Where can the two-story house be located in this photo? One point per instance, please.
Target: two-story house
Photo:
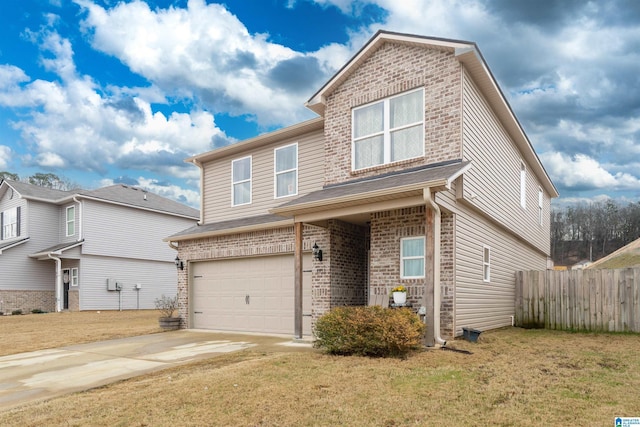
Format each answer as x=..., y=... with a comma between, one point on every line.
x=415, y=173
x=86, y=250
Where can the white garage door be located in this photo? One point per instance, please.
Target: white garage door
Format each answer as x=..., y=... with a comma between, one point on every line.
x=249, y=294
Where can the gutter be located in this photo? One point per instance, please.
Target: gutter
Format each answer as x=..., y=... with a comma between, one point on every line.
x=58, y=281
x=436, y=261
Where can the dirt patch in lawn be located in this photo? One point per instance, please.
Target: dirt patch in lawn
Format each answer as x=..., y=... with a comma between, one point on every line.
x=512, y=377
x=49, y=330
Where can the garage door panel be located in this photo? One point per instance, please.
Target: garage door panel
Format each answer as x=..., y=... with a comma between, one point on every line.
x=220, y=290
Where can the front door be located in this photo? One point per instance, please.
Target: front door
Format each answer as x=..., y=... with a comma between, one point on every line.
x=65, y=286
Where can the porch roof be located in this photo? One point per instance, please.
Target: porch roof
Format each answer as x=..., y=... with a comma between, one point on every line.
x=240, y=225
x=56, y=250
x=9, y=245
x=381, y=188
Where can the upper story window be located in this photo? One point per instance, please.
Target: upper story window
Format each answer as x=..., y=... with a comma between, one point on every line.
x=286, y=171
x=540, y=205
x=71, y=220
x=389, y=130
x=523, y=185
x=486, y=263
x=10, y=223
x=241, y=181
x=412, y=257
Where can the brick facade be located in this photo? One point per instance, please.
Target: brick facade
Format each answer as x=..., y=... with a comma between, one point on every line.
x=27, y=301
x=387, y=228
x=392, y=69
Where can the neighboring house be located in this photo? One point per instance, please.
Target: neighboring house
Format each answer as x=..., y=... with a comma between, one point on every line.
x=64, y=250
x=417, y=172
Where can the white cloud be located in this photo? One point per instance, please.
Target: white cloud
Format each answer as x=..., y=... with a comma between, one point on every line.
x=202, y=52
x=582, y=172
x=5, y=156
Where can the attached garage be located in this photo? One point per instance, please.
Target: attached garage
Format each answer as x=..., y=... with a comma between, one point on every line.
x=249, y=294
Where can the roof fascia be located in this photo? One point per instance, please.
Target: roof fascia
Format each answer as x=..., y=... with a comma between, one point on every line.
x=235, y=230
x=17, y=243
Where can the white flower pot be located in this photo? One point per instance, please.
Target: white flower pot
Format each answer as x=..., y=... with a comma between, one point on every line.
x=399, y=297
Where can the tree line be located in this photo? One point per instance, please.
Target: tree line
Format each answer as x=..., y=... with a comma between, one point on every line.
x=47, y=180
x=590, y=231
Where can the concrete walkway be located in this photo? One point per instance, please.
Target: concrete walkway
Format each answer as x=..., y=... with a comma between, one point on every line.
x=44, y=374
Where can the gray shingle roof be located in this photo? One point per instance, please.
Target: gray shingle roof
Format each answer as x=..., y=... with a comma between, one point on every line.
x=119, y=193
x=233, y=224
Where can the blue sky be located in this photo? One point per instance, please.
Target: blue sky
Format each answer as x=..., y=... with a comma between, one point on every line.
x=102, y=91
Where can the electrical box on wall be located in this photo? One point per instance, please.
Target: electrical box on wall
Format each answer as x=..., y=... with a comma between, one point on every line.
x=111, y=284
x=138, y=285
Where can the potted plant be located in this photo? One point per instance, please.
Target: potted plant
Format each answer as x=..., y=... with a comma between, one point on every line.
x=399, y=294
x=167, y=307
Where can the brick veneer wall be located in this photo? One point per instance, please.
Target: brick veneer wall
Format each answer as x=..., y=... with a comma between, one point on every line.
x=387, y=228
x=348, y=264
x=27, y=301
x=74, y=300
x=392, y=69
x=262, y=242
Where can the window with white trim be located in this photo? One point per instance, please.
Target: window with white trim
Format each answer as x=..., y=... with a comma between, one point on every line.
x=523, y=185
x=286, y=171
x=71, y=220
x=486, y=263
x=412, y=257
x=74, y=276
x=389, y=130
x=540, y=204
x=10, y=223
x=241, y=181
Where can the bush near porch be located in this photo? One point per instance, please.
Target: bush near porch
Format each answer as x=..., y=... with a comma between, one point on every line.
x=369, y=331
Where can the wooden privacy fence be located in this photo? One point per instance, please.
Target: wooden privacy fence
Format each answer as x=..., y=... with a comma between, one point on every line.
x=584, y=300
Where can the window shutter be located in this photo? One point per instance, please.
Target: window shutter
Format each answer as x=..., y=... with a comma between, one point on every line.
x=18, y=221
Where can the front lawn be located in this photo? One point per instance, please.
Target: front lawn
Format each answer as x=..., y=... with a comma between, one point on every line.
x=514, y=377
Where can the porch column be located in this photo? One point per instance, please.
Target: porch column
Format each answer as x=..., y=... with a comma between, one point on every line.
x=297, y=316
x=427, y=299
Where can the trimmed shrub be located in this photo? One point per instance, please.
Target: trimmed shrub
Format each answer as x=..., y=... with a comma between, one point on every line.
x=16, y=312
x=37, y=311
x=369, y=331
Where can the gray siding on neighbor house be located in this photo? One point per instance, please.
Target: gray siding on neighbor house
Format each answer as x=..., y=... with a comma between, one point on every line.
x=118, y=231
x=18, y=270
x=156, y=279
x=217, y=178
x=493, y=183
x=479, y=304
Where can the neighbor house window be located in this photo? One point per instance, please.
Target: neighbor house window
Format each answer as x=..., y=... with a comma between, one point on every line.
x=388, y=131
x=10, y=223
x=523, y=185
x=74, y=276
x=71, y=220
x=241, y=181
x=540, y=200
x=486, y=263
x=286, y=170
x=412, y=257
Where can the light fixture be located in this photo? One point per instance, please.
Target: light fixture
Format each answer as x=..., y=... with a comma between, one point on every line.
x=317, y=252
x=179, y=263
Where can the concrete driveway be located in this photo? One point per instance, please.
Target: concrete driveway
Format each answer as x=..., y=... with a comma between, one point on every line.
x=43, y=374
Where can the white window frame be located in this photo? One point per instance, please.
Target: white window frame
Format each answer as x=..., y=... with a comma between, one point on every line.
x=234, y=183
x=486, y=263
x=403, y=257
x=523, y=185
x=74, y=277
x=10, y=229
x=276, y=172
x=70, y=222
x=540, y=205
x=386, y=131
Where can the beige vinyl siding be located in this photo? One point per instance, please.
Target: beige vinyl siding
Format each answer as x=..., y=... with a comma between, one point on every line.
x=217, y=178
x=493, y=182
x=479, y=304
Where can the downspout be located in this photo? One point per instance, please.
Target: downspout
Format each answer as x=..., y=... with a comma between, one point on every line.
x=75, y=199
x=436, y=268
x=199, y=165
x=58, y=281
